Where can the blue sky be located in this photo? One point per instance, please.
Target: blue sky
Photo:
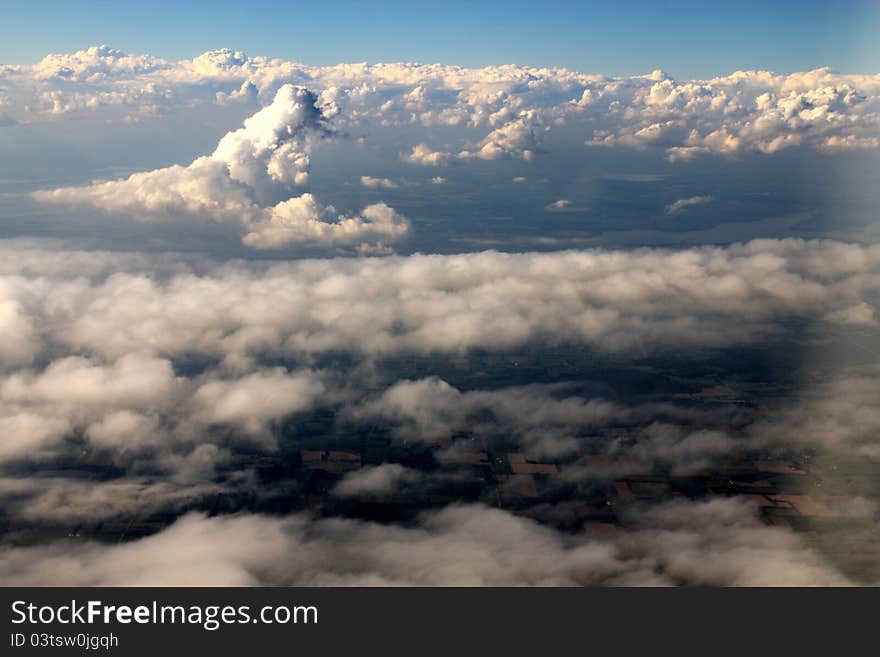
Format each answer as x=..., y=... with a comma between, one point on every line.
x=688, y=39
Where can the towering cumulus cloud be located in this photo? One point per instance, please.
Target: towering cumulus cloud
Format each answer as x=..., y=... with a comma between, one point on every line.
x=245, y=182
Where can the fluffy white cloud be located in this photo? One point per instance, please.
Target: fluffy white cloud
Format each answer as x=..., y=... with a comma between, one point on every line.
x=377, y=183
x=677, y=207
x=241, y=184
x=95, y=64
x=252, y=401
x=747, y=111
x=560, y=204
x=712, y=543
x=374, y=481
x=98, y=358
x=137, y=412
x=552, y=421
x=423, y=155
x=646, y=299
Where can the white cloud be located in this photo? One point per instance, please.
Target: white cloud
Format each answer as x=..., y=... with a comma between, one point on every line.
x=302, y=220
x=648, y=299
x=95, y=64
x=683, y=203
x=746, y=111
x=561, y=204
x=251, y=169
x=378, y=183
x=252, y=401
x=374, y=481
x=860, y=314
x=422, y=154
x=704, y=543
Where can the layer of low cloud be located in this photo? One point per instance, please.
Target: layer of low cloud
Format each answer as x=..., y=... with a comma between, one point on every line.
x=704, y=543
x=679, y=206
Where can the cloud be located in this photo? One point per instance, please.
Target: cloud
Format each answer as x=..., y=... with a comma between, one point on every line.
x=517, y=139
x=423, y=155
x=374, y=481
x=747, y=111
x=683, y=203
x=514, y=106
x=302, y=220
x=554, y=421
x=251, y=168
x=377, y=183
x=835, y=415
x=860, y=314
x=137, y=413
x=703, y=543
x=561, y=204
x=252, y=401
x=187, y=380
x=166, y=368
x=94, y=64
x=649, y=300
x=20, y=336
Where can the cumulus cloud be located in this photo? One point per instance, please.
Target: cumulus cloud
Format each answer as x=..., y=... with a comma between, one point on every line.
x=20, y=336
x=646, y=299
x=251, y=168
x=188, y=380
x=374, y=481
x=514, y=106
x=712, y=543
x=837, y=415
x=302, y=220
x=96, y=63
x=101, y=347
x=747, y=111
x=561, y=204
x=422, y=154
x=517, y=139
x=553, y=421
x=860, y=314
x=682, y=204
x=378, y=183
x=100, y=358
x=137, y=413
